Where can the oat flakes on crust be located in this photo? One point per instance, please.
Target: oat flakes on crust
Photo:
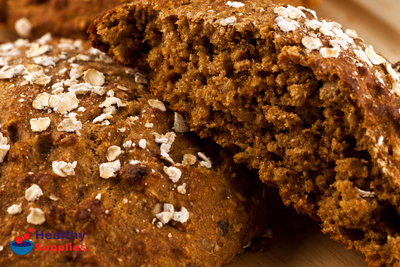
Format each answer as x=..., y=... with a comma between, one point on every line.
x=70, y=18
x=83, y=148
x=308, y=104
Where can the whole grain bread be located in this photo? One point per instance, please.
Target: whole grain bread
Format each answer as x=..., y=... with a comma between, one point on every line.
x=85, y=147
x=70, y=18
x=308, y=104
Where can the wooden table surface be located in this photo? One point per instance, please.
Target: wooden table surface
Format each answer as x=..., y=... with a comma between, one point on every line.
x=297, y=241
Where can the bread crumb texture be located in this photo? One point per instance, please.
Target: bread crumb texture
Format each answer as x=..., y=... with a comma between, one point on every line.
x=77, y=154
x=308, y=104
x=70, y=18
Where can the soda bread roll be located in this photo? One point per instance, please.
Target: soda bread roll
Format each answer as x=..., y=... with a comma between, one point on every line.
x=70, y=18
x=86, y=149
x=306, y=103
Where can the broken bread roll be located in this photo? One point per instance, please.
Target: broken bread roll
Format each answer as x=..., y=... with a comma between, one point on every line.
x=86, y=149
x=70, y=18
x=306, y=103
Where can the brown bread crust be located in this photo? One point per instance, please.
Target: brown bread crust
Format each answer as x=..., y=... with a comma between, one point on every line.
x=117, y=211
x=314, y=109
x=70, y=18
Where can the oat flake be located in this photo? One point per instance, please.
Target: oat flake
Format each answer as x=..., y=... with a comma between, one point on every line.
x=289, y=12
x=14, y=209
x=329, y=52
x=364, y=193
x=36, y=216
x=63, y=169
x=113, y=152
x=7, y=72
x=234, y=4
x=33, y=193
x=23, y=27
x=37, y=50
x=4, y=147
x=206, y=160
x=374, y=57
x=70, y=125
x=67, y=103
x=189, y=159
x=228, y=21
x=142, y=143
x=109, y=169
x=286, y=25
x=180, y=125
x=40, y=124
x=311, y=43
x=174, y=174
x=181, y=216
x=157, y=104
x=94, y=77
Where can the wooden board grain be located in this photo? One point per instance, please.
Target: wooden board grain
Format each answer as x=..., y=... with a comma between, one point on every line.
x=298, y=241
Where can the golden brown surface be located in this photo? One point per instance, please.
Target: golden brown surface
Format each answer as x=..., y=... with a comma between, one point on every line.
x=3, y=11
x=314, y=109
x=70, y=18
x=6, y=34
x=117, y=211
